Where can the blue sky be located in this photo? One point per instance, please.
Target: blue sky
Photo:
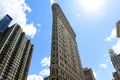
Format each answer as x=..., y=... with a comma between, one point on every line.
x=93, y=21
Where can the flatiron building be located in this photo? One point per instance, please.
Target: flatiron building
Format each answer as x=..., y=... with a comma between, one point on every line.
x=15, y=54
x=65, y=60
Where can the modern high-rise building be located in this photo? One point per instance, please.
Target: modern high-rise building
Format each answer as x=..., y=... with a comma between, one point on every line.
x=15, y=54
x=65, y=60
x=88, y=74
x=115, y=59
x=118, y=29
x=4, y=22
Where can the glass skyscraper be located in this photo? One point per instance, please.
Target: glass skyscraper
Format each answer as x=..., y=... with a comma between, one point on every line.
x=4, y=22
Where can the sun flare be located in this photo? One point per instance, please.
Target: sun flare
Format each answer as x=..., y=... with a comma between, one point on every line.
x=92, y=5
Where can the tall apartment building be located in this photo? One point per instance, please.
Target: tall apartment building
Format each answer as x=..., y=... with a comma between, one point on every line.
x=115, y=59
x=4, y=22
x=65, y=60
x=15, y=54
x=88, y=74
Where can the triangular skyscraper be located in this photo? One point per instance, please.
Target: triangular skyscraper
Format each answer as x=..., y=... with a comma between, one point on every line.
x=65, y=60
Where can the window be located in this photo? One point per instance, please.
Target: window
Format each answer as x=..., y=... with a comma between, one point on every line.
x=53, y=78
x=53, y=62
x=53, y=48
x=53, y=55
x=53, y=43
x=53, y=70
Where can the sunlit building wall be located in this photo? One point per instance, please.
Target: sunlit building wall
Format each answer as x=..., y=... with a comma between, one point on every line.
x=65, y=60
x=88, y=74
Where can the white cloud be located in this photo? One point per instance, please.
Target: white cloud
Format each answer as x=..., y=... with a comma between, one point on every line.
x=39, y=30
x=52, y=1
x=107, y=58
x=45, y=72
x=104, y=66
x=116, y=47
x=99, y=71
x=77, y=15
x=38, y=24
x=112, y=36
x=95, y=74
x=105, y=55
x=16, y=9
x=45, y=61
x=32, y=30
x=34, y=77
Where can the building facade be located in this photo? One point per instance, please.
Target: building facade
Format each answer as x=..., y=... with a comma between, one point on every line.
x=115, y=59
x=15, y=54
x=88, y=74
x=46, y=78
x=5, y=22
x=65, y=60
x=118, y=29
x=116, y=76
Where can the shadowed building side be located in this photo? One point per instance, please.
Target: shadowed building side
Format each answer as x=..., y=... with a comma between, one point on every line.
x=116, y=76
x=15, y=54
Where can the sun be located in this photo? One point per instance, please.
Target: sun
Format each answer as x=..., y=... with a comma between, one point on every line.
x=91, y=5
